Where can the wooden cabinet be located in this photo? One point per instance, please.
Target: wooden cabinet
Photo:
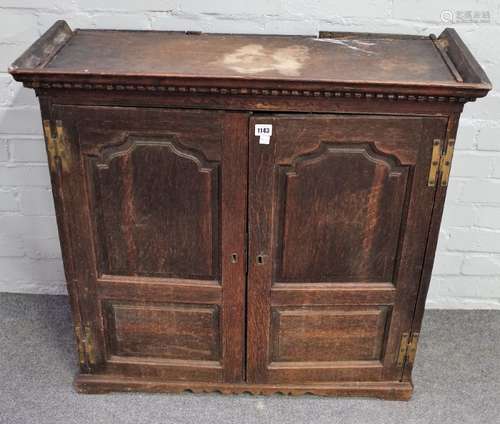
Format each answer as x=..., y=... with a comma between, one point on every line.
x=259, y=214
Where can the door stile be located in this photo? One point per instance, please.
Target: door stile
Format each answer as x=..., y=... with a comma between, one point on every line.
x=234, y=215
x=260, y=188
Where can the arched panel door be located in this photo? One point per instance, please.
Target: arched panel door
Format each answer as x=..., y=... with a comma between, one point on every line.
x=156, y=239
x=339, y=213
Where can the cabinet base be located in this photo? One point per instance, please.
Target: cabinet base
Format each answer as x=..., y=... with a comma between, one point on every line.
x=100, y=384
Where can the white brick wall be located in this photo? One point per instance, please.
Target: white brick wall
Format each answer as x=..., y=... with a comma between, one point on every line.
x=467, y=269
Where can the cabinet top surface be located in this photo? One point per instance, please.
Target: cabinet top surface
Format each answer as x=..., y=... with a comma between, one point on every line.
x=252, y=56
x=331, y=58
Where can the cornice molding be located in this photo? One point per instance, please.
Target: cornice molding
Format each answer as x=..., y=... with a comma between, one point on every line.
x=246, y=91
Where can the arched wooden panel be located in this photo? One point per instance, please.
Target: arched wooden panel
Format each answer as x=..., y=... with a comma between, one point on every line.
x=339, y=212
x=158, y=209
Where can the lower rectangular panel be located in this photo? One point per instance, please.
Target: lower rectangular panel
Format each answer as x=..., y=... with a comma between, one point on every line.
x=169, y=341
x=169, y=331
x=328, y=334
x=323, y=344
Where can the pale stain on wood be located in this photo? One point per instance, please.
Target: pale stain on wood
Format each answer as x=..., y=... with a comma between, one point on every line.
x=256, y=59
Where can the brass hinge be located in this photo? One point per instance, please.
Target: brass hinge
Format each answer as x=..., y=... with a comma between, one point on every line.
x=412, y=349
x=81, y=344
x=86, y=347
x=407, y=349
x=435, y=162
x=446, y=162
x=440, y=162
x=56, y=149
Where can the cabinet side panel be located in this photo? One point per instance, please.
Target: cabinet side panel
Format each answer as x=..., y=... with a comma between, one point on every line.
x=432, y=240
x=63, y=192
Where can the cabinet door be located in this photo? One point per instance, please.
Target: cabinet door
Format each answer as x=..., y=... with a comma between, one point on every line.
x=152, y=207
x=339, y=210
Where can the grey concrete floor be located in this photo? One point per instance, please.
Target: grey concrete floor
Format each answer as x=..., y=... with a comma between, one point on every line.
x=457, y=379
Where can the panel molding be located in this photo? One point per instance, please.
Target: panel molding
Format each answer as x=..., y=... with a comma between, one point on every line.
x=131, y=142
x=291, y=173
x=99, y=163
x=368, y=150
x=325, y=365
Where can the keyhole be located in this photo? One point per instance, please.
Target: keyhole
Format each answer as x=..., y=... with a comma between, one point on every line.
x=260, y=259
x=234, y=258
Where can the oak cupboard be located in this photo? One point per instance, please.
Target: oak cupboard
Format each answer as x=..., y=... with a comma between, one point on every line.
x=249, y=213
